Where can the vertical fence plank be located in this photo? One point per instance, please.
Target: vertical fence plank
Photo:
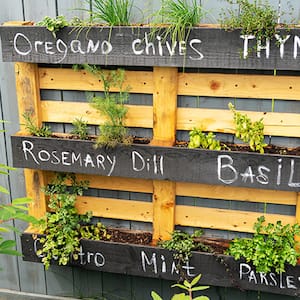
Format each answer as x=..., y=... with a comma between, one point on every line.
x=164, y=133
x=36, y=10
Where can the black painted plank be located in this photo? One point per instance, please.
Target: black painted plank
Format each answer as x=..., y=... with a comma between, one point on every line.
x=204, y=48
x=243, y=169
x=155, y=262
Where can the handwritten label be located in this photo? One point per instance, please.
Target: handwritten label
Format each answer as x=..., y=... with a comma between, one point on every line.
x=282, y=280
x=229, y=172
x=149, y=44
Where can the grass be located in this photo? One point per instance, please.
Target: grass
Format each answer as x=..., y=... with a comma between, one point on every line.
x=111, y=12
x=180, y=16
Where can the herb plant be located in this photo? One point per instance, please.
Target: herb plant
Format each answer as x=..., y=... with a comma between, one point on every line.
x=256, y=18
x=80, y=128
x=180, y=16
x=53, y=24
x=111, y=106
x=42, y=131
x=63, y=226
x=248, y=131
x=17, y=210
x=187, y=286
x=272, y=246
x=183, y=244
x=199, y=139
x=112, y=12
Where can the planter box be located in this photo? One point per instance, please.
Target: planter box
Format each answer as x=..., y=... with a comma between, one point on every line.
x=263, y=171
x=154, y=262
x=204, y=48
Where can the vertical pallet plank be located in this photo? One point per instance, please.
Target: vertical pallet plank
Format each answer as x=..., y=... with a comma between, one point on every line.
x=27, y=87
x=164, y=133
x=298, y=215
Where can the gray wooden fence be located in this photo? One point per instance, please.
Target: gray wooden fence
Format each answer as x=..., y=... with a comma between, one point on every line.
x=26, y=277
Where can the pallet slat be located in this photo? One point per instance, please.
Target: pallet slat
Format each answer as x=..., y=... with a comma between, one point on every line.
x=116, y=208
x=224, y=219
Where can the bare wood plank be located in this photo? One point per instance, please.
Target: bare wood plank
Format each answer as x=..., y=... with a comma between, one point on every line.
x=164, y=132
x=297, y=238
x=52, y=78
x=28, y=94
x=235, y=193
x=164, y=201
x=239, y=86
x=116, y=208
x=27, y=87
x=216, y=120
x=66, y=112
x=224, y=219
x=164, y=106
x=113, y=183
x=34, y=180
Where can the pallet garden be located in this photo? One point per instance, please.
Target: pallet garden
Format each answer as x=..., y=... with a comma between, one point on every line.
x=166, y=72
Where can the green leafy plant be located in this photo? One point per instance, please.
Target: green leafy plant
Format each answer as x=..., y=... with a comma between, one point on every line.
x=189, y=287
x=111, y=106
x=42, y=131
x=53, y=24
x=112, y=12
x=199, y=139
x=256, y=18
x=180, y=16
x=271, y=247
x=182, y=244
x=63, y=226
x=80, y=128
x=17, y=210
x=248, y=131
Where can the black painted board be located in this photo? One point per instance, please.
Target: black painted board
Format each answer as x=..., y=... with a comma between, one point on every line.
x=155, y=262
x=243, y=169
x=145, y=46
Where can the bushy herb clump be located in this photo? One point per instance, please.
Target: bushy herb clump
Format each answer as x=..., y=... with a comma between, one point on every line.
x=256, y=18
x=63, y=226
x=111, y=106
x=271, y=247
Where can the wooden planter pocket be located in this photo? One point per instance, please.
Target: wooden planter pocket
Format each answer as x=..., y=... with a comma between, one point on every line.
x=155, y=262
x=231, y=168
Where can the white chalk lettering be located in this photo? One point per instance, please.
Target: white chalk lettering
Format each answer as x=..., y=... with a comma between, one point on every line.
x=25, y=38
x=292, y=172
x=246, y=39
x=153, y=164
x=228, y=165
x=296, y=46
x=265, y=47
x=200, y=55
x=282, y=280
x=281, y=43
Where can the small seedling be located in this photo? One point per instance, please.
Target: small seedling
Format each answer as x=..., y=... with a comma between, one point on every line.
x=53, y=24
x=199, y=139
x=189, y=287
x=42, y=131
x=80, y=128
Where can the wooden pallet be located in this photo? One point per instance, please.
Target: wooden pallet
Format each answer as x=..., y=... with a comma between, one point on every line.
x=165, y=118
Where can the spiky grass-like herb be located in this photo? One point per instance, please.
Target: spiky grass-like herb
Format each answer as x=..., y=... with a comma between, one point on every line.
x=180, y=16
x=42, y=131
x=112, y=12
